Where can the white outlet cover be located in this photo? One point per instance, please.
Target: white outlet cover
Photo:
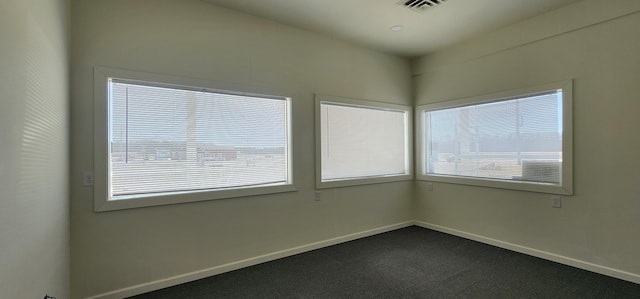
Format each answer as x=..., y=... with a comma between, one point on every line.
x=87, y=178
x=556, y=201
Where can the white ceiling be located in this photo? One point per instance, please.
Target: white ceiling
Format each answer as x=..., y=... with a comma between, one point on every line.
x=368, y=22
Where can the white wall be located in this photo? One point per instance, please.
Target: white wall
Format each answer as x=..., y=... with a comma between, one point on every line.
x=34, y=200
x=597, y=44
x=120, y=249
x=593, y=42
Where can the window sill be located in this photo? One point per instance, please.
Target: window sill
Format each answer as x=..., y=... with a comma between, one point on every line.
x=538, y=187
x=186, y=197
x=362, y=181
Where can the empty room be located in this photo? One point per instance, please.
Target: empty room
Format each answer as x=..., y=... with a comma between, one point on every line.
x=319, y=149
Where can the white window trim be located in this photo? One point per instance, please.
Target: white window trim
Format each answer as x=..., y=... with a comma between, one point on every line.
x=364, y=180
x=101, y=133
x=566, y=185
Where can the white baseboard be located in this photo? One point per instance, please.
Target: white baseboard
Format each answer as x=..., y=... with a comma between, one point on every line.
x=187, y=277
x=628, y=276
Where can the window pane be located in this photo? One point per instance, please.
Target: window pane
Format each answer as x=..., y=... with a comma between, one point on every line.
x=358, y=142
x=514, y=139
x=165, y=139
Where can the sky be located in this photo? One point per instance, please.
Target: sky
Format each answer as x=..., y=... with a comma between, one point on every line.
x=539, y=114
x=140, y=113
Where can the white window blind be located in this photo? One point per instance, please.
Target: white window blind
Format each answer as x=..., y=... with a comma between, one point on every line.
x=518, y=139
x=168, y=139
x=363, y=141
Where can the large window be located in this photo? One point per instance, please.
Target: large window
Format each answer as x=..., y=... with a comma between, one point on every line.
x=517, y=140
x=361, y=142
x=166, y=142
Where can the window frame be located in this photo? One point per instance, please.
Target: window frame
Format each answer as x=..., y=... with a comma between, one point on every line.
x=408, y=110
x=565, y=187
x=101, y=188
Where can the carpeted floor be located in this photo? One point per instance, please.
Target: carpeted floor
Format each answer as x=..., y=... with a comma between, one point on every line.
x=411, y=262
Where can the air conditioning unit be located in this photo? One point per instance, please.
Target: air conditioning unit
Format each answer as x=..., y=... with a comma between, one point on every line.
x=547, y=171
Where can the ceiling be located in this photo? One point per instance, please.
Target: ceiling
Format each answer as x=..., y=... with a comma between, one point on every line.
x=369, y=22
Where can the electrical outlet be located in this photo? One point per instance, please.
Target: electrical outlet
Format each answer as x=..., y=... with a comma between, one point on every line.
x=556, y=201
x=87, y=178
x=317, y=198
x=429, y=186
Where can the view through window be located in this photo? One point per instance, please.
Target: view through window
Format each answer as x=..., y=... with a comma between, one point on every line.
x=519, y=139
x=514, y=139
x=167, y=139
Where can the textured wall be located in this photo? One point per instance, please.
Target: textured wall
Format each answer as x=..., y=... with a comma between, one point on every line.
x=118, y=249
x=34, y=200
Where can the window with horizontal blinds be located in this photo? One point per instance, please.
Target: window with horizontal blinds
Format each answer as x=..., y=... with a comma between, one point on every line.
x=522, y=139
x=362, y=141
x=166, y=139
x=500, y=140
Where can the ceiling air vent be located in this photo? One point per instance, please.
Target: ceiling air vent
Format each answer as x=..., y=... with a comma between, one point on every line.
x=420, y=5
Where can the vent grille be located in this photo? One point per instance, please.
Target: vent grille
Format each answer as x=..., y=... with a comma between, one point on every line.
x=420, y=5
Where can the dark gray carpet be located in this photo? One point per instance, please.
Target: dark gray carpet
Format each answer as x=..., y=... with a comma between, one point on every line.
x=411, y=262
